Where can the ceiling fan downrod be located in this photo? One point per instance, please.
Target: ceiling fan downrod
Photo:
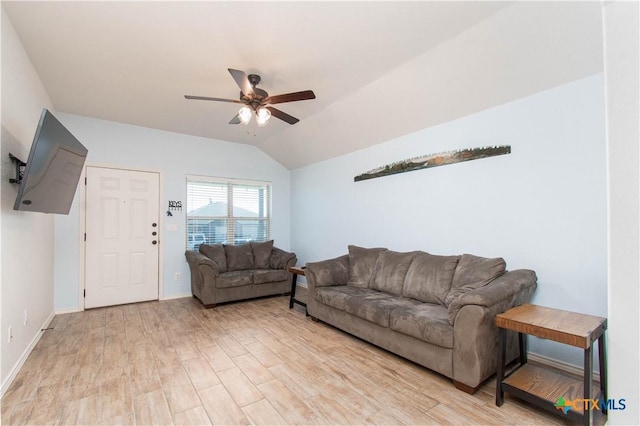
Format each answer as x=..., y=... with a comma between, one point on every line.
x=254, y=80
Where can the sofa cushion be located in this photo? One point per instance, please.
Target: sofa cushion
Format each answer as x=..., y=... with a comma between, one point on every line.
x=362, y=262
x=376, y=307
x=337, y=296
x=262, y=276
x=390, y=271
x=217, y=254
x=261, y=253
x=234, y=279
x=474, y=272
x=429, y=277
x=239, y=257
x=425, y=321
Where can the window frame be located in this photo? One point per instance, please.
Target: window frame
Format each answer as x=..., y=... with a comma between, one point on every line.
x=230, y=183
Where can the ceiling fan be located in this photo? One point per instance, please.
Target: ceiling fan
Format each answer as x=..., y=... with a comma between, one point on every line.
x=257, y=101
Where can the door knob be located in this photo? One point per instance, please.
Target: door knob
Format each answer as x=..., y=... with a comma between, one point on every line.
x=154, y=242
x=154, y=224
x=154, y=233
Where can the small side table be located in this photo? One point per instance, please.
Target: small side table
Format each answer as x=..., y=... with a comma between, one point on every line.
x=296, y=270
x=553, y=391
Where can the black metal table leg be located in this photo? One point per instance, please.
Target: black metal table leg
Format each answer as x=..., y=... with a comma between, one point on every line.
x=294, y=284
x=602, y=361
x=588, y=384
x=502, y=337
x=522, y=342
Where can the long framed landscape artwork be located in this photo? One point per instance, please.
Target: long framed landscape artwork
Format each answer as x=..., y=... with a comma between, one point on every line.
x=434, y=160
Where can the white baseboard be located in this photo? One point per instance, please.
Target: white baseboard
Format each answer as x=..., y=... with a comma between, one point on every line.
x=74, y=310
x=177, y=296
x=16, y=368
x=565, y=367
x=69, y=311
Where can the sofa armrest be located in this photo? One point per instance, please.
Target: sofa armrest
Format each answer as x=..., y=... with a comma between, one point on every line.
x=328, y=272
x=475, y=336
x=498, y=293
x=324, y=274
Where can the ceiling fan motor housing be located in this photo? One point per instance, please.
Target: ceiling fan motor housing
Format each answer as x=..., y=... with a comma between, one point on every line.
x=254, y=79
x=254, y=101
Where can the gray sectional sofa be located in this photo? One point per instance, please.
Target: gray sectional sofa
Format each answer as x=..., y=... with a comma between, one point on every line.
x=223, y=273
x=434, y=310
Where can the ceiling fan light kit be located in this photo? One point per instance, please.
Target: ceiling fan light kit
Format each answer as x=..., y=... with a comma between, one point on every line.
x=262, y=116
x=257, y=100
x=245, y=114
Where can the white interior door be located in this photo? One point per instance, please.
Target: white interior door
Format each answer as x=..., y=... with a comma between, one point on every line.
x=122, y=236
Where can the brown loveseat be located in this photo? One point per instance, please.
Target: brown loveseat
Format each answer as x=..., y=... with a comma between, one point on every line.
x=224, y=273
x=436, y=311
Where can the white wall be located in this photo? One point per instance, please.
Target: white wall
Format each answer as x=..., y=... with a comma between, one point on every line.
x=174, y=156
x=542, y=207
x=621, y=23
x=26, y=238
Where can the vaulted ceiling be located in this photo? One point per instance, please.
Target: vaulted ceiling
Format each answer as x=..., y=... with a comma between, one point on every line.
x=379, y=69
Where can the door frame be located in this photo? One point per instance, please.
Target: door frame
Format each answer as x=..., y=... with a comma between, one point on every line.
x=83, y=225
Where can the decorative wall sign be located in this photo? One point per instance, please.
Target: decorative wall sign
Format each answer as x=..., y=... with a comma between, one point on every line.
x=175, y=205
x=434, y=160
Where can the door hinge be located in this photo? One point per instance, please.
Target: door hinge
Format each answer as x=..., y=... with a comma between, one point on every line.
x=85, y=236
x=85, y=180
x=84, y=294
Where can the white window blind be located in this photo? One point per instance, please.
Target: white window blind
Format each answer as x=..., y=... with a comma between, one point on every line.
x=227, y=211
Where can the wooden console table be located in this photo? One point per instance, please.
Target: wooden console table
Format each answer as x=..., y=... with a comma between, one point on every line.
x=296, y=270
x=545, y=388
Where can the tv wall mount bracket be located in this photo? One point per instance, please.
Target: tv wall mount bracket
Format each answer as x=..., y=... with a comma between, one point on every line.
x=20, y=166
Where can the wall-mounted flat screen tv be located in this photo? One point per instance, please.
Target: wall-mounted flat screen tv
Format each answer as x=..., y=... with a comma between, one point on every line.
x=53, y=169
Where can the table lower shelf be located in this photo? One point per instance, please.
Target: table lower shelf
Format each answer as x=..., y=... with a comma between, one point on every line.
x=546, y=387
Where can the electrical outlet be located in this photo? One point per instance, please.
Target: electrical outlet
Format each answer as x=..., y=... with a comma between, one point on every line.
x=10, y=334
x=177, y=276
x=26, y=317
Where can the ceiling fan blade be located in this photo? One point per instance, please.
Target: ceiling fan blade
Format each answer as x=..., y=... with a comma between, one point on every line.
x=242, y=81
x=206, y=98
x=235, y=120
x=291, y=97
x=282, y=115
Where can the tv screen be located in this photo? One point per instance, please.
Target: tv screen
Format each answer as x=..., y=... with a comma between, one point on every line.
x=53, y=169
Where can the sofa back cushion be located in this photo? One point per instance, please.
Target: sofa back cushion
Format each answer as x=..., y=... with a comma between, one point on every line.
x=474, y=272
x=362, y=262
x=261, y=254
x=217, y=254
x=239, y=257
x=429, y=277
x=390, y=271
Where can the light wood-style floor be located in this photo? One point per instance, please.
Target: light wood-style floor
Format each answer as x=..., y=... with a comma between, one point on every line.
x=253, y=362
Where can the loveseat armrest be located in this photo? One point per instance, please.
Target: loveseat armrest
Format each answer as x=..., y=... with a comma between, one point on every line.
x=204, y=272
x=197, y=259
x=328, y=272
x=281, y=259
